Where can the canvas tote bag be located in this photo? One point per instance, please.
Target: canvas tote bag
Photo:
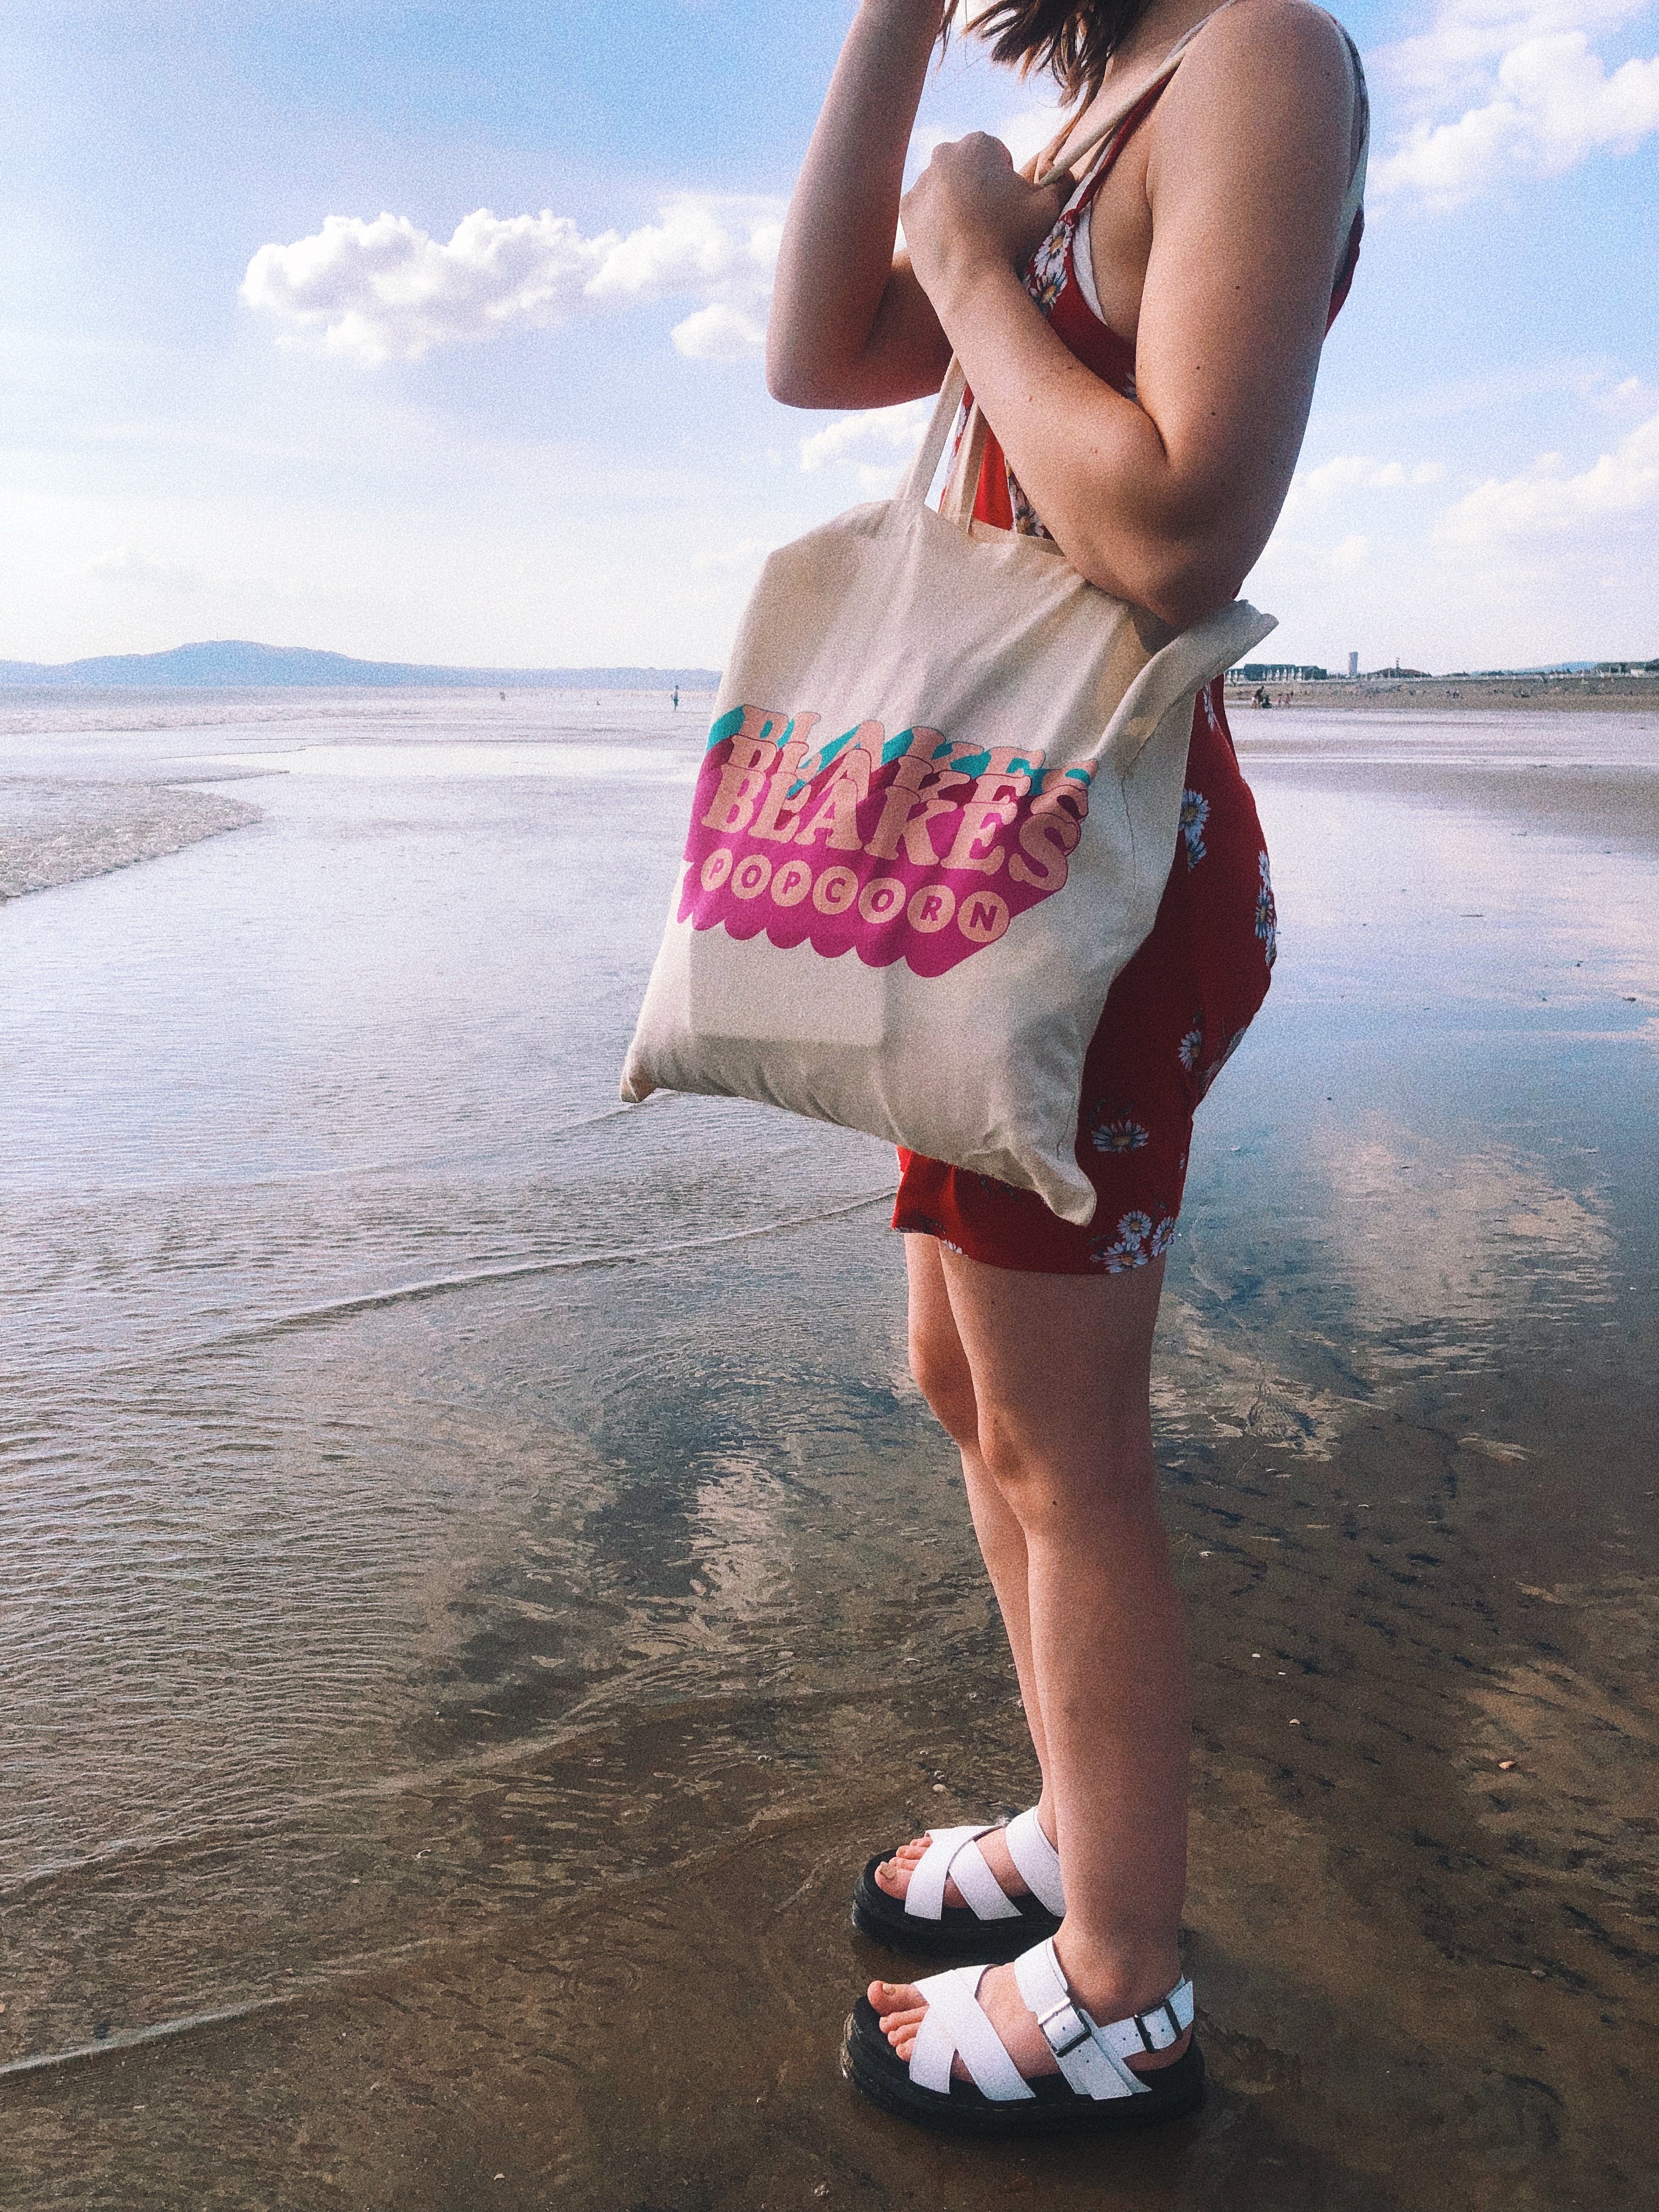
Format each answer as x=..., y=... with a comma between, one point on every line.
x=935, y=818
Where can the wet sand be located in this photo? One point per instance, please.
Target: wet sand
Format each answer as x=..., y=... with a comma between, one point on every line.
x=576, y=1932
x=1571, y=772
x=1524, y=695
x=54, y=832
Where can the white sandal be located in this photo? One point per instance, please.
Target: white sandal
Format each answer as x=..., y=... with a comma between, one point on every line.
x=991, y=1925
x=1094, y=2093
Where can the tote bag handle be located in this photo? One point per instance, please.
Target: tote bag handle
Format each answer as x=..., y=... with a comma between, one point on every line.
x=1046, y=168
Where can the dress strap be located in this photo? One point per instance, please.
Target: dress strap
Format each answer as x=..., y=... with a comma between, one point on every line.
x=1360, y=147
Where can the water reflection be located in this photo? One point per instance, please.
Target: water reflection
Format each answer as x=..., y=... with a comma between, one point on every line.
x=471, y=1554
x=1445, y=1253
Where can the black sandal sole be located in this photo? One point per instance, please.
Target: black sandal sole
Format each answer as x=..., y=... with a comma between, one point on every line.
x=960, y=1933
x=1055, y=2109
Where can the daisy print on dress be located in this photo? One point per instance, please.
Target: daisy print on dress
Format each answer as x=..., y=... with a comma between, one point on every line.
x=1267, y=915
x=1050, y=267
x=1027, y=521
x=1191, y=1045
x=1116, y=1132
x=1195, y=813
x=1139, y=1241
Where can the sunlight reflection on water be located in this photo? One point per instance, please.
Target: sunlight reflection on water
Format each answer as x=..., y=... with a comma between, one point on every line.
x=391, y=1419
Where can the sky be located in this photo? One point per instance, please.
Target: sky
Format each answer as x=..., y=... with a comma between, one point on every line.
x=433, y=334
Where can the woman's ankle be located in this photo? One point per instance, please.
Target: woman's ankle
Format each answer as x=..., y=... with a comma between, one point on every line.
x=1114, y=1980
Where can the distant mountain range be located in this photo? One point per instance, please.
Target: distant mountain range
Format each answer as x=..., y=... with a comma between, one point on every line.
x=235, y=661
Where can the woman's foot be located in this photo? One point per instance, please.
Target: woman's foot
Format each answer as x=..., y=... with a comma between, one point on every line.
x=893, y=1875
x=901, y=2007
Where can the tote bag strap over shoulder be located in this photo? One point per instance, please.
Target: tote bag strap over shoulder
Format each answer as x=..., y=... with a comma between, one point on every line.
x=1083, y=137
x=1089, y=133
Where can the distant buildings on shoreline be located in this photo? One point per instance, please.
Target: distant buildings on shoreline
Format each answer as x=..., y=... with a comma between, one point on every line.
x=1606, y=684
x=1290, y=671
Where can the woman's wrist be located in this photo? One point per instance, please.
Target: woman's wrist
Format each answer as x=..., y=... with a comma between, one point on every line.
x=982, y=306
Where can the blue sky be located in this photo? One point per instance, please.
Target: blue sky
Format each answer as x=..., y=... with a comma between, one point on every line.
x=269, y=372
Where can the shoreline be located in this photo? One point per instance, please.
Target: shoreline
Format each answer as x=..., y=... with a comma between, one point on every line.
x=435, y=1671
x=56, y=830
x=1467, y=694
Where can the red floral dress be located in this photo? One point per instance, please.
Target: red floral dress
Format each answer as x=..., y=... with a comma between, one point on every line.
x=1180, y=1007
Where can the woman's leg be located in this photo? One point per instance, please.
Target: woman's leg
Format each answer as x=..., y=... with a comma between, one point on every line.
x=1060, y=1369
x=940, y=1367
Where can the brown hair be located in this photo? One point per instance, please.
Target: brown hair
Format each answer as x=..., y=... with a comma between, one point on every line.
x=1072, y=39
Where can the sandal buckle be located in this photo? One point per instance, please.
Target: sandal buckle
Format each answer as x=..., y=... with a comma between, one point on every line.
x=1170, y=2013
x=1073, y=2042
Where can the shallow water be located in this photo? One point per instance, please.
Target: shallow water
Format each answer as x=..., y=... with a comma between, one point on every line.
x=473, y=1564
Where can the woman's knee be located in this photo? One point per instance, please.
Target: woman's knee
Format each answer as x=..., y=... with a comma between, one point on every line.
x=1056, y=1481
x=1014, y=1458
x=943, y=1376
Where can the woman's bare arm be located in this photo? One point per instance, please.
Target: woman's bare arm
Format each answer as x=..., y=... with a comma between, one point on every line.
x=1167, y=501
x=850, y=327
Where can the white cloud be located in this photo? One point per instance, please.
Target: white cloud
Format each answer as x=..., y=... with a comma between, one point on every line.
x=1350, y=555
x=1546, y=501
x=384, y=290
x=880, y=430
x=1630, y=397
x=719, y=332
x=1555, y=105
x=125, y=564
x=1348, y=472
x=1453, y=59
x=1535, y=98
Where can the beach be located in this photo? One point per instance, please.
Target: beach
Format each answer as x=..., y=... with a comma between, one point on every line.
x=54, y=832
x=480, y=1582
x=1512, y=693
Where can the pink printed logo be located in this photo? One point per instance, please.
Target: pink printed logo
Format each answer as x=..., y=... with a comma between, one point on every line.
x=910, y=848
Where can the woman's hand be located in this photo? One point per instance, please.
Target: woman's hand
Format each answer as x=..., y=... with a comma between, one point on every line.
x=969, y=209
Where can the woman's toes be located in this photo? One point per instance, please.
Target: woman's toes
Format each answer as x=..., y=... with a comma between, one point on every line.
x=903, y=2008
x=899, y=2029
x=889, y=1997
x=894, y=1875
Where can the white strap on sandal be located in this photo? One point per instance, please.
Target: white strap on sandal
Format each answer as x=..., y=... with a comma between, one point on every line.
x=1036, y=1860
x=953, y=2022
x=1089, y=2053
x=953, y=1854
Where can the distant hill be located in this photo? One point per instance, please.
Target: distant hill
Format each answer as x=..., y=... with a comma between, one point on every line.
x=234, y=661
